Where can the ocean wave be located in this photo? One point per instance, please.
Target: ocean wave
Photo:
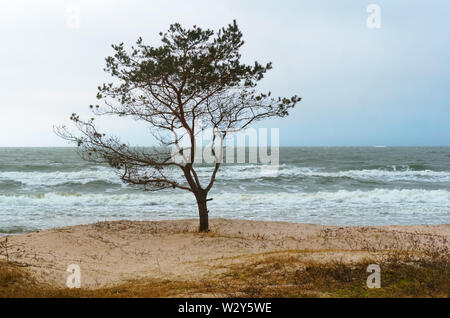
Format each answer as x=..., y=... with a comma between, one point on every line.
x=396, y=173
x=228, y=172
x=387, y=196
x=101, y=174
x=77, y=199
x=22, y=213
x=380, y=175
x=255, y=172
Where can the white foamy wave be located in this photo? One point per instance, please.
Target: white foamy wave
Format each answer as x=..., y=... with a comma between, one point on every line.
x=387, y=196
x=101, y=174
x=387, y=175
x=370, y=174
x=77, y=199
x=379, y=206
x=250, y=171
x=230, y=172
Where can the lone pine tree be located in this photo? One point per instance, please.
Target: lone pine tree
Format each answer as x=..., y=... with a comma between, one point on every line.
x=194, y=76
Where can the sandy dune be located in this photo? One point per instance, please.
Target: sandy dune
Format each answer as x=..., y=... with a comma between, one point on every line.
x=112, y=252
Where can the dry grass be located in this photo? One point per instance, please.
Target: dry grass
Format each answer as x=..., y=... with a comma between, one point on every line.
x=276, y=275
x=282, y=276
x=411, y=266
x=17, y=282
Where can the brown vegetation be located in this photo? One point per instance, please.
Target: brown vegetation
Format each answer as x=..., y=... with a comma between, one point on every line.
x=404, y=274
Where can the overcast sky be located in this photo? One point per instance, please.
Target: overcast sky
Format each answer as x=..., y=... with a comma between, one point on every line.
x=360, y=86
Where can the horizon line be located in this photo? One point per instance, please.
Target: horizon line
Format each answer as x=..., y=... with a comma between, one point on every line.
x=298, y=146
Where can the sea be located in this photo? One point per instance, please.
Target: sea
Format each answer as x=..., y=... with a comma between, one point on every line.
x=43, y=188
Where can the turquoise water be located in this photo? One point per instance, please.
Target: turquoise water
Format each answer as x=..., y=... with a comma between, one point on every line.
x=50, y=187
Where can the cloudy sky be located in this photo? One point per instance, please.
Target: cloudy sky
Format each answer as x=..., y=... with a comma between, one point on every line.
x=360, y=85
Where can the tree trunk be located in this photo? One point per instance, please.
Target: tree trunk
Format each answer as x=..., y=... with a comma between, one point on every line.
x=202, y=211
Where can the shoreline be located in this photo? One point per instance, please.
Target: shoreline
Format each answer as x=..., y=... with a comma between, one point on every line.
x=114, y=252
x=418, y=225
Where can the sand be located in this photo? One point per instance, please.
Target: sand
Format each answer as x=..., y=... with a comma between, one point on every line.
x=110, y=253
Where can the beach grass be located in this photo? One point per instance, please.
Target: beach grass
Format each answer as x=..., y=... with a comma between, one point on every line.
x=236, y=259
x=282, y=275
